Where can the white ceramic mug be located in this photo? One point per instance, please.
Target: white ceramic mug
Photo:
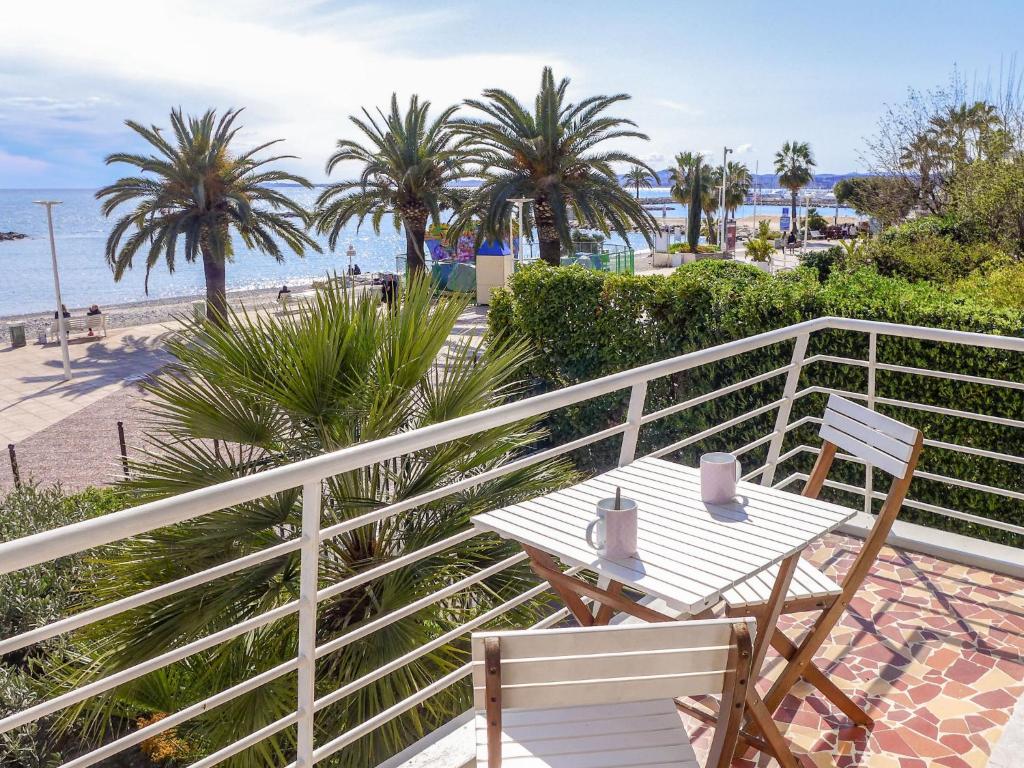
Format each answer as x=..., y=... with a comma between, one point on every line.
x=613, y=533
x=719, y=473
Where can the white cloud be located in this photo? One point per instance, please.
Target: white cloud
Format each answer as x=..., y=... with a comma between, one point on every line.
x=300, y=67
x=18, y=164
x=654, y=157
x=679, y=106
x=744, y=149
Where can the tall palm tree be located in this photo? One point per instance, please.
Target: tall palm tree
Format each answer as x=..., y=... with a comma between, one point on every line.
x=680, y=175
x=795, y=165
x=550, y=155
x=195, y=187
x=637, y=176
x=278, y=390
x=711, y=184
x=737, y=186
x=409, y=166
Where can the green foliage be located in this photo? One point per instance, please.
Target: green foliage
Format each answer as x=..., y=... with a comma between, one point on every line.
x=694, y=206
x=267, y=392
x=1002, y=287
x=887, y=198
x=928, y=251
x=824, y=261
x=795, y=165
x=760, y=249
x=988, y=196
x=585, y=325
x=199, y=189
x=35, y=596
x=685, y=248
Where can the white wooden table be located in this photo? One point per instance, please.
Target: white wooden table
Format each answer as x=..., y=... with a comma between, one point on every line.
x=689, y=552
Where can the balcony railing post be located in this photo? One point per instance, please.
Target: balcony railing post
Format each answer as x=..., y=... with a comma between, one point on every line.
x=309, y=571
x=869, y=475
x=782, y=417
x=635, y=413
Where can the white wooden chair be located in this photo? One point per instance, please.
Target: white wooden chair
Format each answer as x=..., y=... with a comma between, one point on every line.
x=602, y=697
x=884, y=443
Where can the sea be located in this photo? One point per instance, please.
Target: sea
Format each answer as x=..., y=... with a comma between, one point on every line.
x=80, y=233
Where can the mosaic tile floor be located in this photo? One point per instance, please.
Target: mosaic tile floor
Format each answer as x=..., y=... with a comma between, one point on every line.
x=933, y=651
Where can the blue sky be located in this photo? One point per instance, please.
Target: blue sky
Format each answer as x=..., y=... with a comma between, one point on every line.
x=746, y=74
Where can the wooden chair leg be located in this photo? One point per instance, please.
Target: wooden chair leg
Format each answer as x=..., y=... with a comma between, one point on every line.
x=492, y=691
x=787, y=650
x=762, y=719
x=734, y=696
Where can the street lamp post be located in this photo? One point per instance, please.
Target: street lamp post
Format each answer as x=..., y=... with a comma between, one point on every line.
x=725, y=179
x=351, y=253
x=520, y=203
x=807, y=217
x=62, y=328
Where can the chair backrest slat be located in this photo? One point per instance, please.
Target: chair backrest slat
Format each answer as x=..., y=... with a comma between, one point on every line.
x=607, y=665
x=876, y=439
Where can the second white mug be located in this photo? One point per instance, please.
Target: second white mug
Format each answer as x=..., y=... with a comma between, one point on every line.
x=613, y=533
x=719, y=473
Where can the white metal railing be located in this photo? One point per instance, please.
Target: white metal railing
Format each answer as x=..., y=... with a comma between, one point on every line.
x=309, y=474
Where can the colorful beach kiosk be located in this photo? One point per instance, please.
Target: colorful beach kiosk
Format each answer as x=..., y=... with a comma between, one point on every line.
x=461, y=268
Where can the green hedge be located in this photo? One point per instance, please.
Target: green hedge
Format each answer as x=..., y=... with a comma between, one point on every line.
x=585, y=324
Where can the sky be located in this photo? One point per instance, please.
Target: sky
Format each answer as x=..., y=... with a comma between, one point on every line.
x=701, y=75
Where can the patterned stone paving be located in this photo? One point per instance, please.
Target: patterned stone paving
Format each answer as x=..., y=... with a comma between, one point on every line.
x=933, y=650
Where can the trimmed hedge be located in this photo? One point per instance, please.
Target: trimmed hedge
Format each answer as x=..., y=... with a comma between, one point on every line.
x=586, y=324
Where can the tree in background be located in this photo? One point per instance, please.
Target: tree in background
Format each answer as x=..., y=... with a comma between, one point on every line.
x=794, y=164
x=710, y=185
x=694, y=208
x=552, y=155
x=637, y=177
x=885, y=198
x=737, y=186
x=409, y=167
x=274, y=391
x=195, y=187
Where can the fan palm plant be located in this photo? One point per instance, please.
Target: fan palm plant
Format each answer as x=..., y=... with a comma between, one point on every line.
x=275, y=391
x=637, y=177
x=549, y=155
x=409, y=168
x=795, y=165
x=196, y=187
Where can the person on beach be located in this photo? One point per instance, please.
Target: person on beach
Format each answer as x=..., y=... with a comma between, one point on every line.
x=284, y=290
x=92, y=311
x=388, y=290
x=64, y=310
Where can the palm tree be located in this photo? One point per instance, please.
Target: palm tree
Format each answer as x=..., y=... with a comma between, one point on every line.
x=409, y=167
x=278, y=390
x=795, y=165
x=737, y=186
x=549, y=155
x=636, y=177
x=696, y=194
x=710, y=186
x=195, y=187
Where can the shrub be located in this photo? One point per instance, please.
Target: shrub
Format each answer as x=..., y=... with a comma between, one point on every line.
x=1002, y=286
x=585, y=325
x=760, y=249
x=685, y=248
x=930, y=256
x=824, y=261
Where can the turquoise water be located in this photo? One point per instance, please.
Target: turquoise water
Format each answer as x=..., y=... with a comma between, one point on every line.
x=26, y=284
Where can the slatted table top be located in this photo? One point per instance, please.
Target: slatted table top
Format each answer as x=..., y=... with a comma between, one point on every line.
x=689, y=551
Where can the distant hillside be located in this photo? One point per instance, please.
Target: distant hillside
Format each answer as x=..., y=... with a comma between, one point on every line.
x=771, y=181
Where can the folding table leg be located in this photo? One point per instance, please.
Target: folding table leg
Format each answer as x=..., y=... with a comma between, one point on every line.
x=541, y=562
x=606, y=611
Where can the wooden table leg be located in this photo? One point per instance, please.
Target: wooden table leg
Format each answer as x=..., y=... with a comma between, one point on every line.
x=760, y=715
x=543, y=564
x=606, y=611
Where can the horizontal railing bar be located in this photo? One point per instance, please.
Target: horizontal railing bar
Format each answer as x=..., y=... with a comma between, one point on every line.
x=801, y=421
x=394, y=564
x=982, y=487
x=755, y=472
x=975, y=451
x=438, y=642
x=753, y=444
x=814, y=390
x=790, y=480
x=716, y=429
x=170, y=721
x=407, y=610
x=694, y=401
x=469, y=482
x=50, y=706
x=968, y=338
x=126, y=523
x=951, y=412
x=915, y=504
x=838, y=360
x=107, y=610
x=949, y=375
x=244, y=743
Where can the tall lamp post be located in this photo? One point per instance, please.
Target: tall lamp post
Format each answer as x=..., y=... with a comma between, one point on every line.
x=351, y=252
x=725, y=179
x=520, y=203
x=807, y=217
x=62, y=328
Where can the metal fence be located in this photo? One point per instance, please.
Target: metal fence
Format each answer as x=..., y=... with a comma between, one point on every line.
x=308, y=475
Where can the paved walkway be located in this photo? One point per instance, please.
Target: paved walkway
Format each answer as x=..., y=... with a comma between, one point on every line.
x=34, y=394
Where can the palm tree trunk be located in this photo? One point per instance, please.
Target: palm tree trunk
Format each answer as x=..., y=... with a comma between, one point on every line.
x=415, y=224
x=216, y=297
x=547, y=234
x=792, y=195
